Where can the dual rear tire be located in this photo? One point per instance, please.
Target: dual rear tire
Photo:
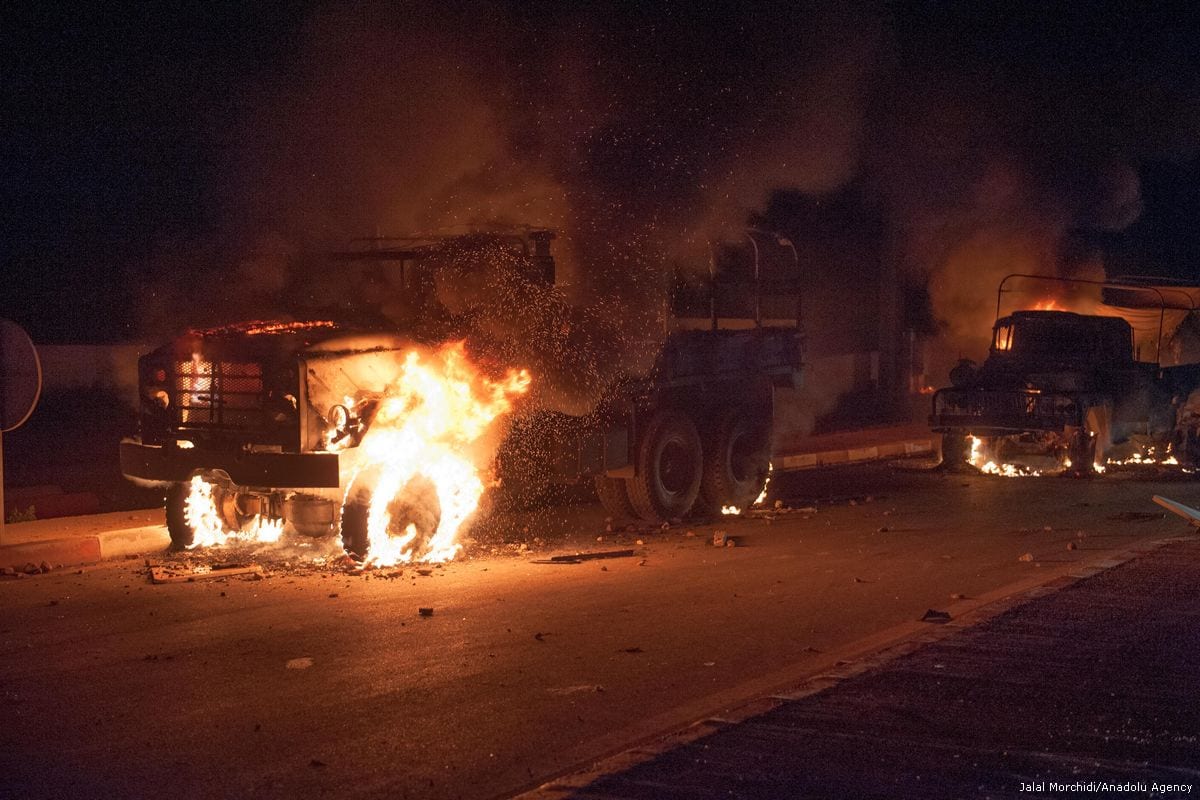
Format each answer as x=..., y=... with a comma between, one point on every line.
x=675, y=472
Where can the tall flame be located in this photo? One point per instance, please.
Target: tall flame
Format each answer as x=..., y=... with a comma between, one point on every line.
x=422, y=457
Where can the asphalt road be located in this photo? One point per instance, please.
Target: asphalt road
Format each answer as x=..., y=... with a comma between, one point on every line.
x=333, y=685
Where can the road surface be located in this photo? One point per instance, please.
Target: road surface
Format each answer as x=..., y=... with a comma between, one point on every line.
x=316, y=683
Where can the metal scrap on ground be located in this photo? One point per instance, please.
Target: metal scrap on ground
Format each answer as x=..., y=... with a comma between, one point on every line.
x=161, y=574
x=580, y=557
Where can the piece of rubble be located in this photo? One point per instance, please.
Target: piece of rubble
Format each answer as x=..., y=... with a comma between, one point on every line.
x=299, y=663
x=1072, y=546
x=639, y=543
x=719, y=538
x=937, y=617
x=44, y=566
x=957, y=596
x=31, y=568
x=1026, y=557
x=732, y=542
x=425, y=611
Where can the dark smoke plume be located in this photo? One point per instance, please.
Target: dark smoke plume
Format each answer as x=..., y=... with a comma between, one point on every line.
x=975, y=144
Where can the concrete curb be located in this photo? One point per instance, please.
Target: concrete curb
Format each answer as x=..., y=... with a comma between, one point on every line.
x=85, y=549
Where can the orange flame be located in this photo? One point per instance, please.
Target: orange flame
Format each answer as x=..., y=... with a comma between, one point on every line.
x=422, y=457
x=1050, y=304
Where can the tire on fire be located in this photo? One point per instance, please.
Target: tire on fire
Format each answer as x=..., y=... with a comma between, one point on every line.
x=181, y=532
x=668, y=468
x=225, y=500
x=1086, y=445
x=737, y=458
x=416, y=503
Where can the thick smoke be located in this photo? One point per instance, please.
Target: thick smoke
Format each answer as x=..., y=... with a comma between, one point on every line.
x=971, y=148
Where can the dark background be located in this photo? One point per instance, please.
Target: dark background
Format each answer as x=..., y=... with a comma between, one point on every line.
x=145, y=152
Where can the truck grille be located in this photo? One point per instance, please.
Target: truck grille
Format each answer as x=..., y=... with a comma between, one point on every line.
x=976, y=409
x=218, y=395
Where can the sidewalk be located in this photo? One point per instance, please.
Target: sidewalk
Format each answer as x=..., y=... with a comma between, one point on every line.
x=71, y=541
x=1095, y=682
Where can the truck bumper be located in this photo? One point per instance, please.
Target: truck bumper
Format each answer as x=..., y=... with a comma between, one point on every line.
x=276, y=470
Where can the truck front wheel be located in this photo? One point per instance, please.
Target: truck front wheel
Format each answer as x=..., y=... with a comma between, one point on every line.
x=355, y=539
x=182, y=534
x=669, y=464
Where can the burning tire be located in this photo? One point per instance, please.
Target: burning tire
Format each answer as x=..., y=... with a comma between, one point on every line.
x=355, y=538
x=614, y=496
x=668, y=468
x=182, y=534
x=1087, y=445
x=413, y=511
x=956, y=450
x=736, y=460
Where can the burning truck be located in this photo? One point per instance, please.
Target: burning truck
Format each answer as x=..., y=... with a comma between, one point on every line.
x=389, y=435
x=1076, y=390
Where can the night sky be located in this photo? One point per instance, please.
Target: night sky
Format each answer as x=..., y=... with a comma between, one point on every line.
x=148, y=154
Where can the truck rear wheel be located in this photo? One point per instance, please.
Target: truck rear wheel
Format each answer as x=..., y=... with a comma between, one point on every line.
x=614, y=496
x=182, y=534
x=669, y=466
x=736, y=460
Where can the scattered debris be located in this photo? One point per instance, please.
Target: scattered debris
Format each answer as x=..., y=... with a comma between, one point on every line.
x=642, y=563
x=425, y=611
x=720, y=538
x=159, y=574
x=425, y=571
x=640, y=543
x=690, y=534
x=631, y=650
x=1072, y=546
x=541, y=637
x=316, y=763
x=884, y=529
x=333, y=594
x=299, y=663
x=938, y=617
x=1026, y=557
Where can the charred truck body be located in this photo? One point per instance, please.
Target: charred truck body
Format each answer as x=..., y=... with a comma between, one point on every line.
x=260, y=411
x=1070, y=385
